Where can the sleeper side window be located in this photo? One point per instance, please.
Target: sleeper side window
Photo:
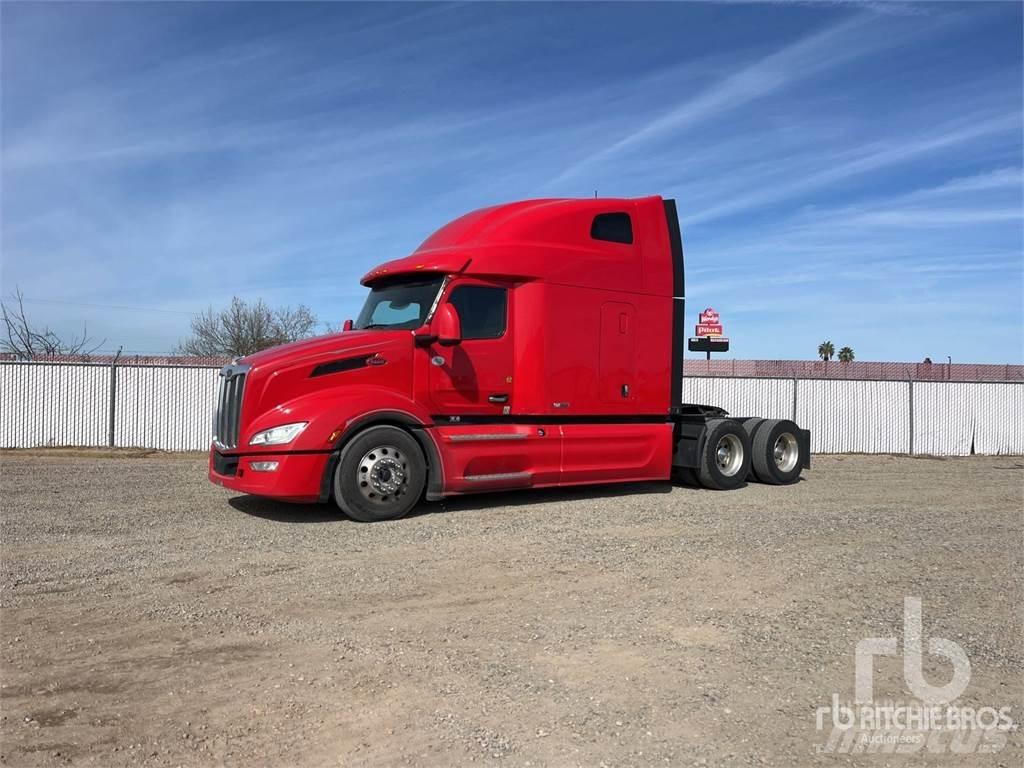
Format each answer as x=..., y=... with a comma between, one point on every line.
x=613, y=227
x=482, y=310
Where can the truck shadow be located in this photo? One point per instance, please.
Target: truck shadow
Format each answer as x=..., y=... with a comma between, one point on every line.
x=285, y=512
x=533, y=496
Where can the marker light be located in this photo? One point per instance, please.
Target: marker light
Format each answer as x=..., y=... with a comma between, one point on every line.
x=278, y=435
x=263, y=466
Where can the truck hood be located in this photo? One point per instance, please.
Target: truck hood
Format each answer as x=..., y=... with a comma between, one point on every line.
x=309, y=376
x=349, y=342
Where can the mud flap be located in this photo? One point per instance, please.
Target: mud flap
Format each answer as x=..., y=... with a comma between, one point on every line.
x=805, y=447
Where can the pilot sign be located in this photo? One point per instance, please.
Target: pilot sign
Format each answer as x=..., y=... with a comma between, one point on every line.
x=709, y=323
x=708, y=335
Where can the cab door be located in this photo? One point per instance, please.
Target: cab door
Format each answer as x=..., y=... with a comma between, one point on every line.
x=474, y=377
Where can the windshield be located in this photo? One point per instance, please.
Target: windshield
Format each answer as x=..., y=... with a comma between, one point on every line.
x=399, y=304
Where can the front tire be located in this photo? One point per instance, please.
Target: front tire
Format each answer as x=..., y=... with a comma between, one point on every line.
x=380, y=475
x=725, y=457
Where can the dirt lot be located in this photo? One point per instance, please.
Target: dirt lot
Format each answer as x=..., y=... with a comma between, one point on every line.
x=150, y=618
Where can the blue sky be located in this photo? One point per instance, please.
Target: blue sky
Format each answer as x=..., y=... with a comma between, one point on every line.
x=842, y=171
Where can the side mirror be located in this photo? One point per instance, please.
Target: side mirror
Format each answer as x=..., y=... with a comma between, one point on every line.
x=347, y=326
x=423, y=336
x=447, y=326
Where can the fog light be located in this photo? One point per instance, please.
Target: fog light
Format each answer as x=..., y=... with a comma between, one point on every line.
x=263, y=466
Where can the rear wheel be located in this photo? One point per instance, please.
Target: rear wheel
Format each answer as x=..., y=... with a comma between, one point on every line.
x=776, y=451
x=725, y=458
x=751, y=426
x=380, y=475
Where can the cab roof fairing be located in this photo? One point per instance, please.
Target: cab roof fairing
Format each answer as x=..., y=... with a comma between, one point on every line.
x=512, y=240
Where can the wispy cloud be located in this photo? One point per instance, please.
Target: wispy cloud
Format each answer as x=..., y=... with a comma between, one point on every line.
x=823, y=157
x=831, y=47
x=861, y=160
x=918, y=259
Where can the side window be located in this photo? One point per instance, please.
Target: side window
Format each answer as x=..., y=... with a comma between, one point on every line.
x=482, y=310
x=613, y=227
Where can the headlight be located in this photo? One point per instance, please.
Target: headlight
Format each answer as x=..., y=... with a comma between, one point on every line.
x=278, y=435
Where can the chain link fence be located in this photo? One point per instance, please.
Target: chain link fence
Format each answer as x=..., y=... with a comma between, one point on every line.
x=833, y=369
x=170, y=407
x=768, y=369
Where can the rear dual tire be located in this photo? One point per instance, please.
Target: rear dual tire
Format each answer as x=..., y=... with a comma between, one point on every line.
x=777, y=452
x=725, y=457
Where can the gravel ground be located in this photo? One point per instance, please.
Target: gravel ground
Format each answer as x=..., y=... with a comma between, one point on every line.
x=150, y=618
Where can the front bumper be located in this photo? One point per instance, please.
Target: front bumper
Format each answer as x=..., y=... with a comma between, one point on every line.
x=297, y=478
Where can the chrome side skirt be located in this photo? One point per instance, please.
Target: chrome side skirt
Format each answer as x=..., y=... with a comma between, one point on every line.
x=481, y=437
x=501, y=477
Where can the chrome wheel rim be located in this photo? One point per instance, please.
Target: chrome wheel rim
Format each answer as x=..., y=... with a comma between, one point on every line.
x=786, y=452
x=382, y=474
x=729, y=455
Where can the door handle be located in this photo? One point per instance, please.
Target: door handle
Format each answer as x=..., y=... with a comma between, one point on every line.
x=498, y=399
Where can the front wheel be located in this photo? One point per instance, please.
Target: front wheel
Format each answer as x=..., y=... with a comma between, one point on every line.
x=380, y=475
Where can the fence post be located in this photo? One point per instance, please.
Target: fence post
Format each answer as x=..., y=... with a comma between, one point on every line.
x=910, y=387
x=110, y=412
x=794, y=399
x=113, y=399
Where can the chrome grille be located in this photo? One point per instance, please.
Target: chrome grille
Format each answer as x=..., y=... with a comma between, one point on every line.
x=229, y=405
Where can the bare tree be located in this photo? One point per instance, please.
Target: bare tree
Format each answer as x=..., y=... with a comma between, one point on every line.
x=28, y=342
x=243, y=328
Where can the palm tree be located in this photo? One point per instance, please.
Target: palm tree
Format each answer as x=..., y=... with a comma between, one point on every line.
x=846, y=355
x=826, y=350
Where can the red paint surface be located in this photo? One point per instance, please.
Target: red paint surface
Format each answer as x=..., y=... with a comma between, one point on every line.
x=589, y=334
x=297, y=477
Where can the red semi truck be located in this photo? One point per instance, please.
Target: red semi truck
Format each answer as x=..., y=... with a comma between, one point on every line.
x=527, y=345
